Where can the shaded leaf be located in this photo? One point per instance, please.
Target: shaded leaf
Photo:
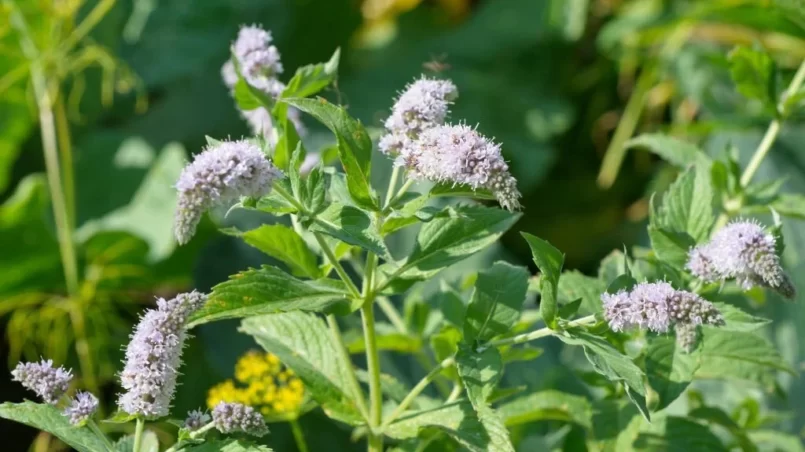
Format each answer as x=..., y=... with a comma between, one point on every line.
x=547, y=405
x=550, y=261
x=496, y=302
x=669, y=369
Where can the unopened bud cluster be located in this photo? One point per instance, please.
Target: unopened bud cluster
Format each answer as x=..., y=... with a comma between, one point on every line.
x=236, y=417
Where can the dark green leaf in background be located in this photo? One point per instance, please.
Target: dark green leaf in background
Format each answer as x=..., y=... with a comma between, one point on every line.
x=496, y=302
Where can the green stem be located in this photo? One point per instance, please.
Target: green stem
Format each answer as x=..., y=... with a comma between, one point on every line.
x=289, y=197
x=102, y=436
x=373, y=367
x=399, y=193
x=392, y=314
x=455, y=393
x=344, y=355
x=66, y=151
x=328, y=252
x=395, y=174
x=298, y=436
x=520, y=338
x=773, y=131
x=138, y=434
x=86, y=26
x=423, y=383
x=193, y=435
x=426, y=362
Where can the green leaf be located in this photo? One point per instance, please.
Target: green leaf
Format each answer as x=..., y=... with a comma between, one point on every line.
x=448, y=239
x=737, y=355
x=269, y=290
x=669, y=369
x=496, y=302
x=227, y=445
x=304, y=343
x=351, y=225
x=775, y=441
x=738, y=320
x=790, y=205
x=547, y=405
x=673, y=150
x=688, y=205
x=276, y=204
x=149, y=443
x=245, y=96
x=451, y=305
x=550, y=261
x=573, y=285
x=315, y=190
x=354, y=147
x=670, y=246
x=609, y=362
x=309, y=80
x=285, y=244
x=48, y=418
x=480, y=373
x=459, y=191
x=288, y=141
x=677, y=434
x=389, y=340
x=717, y=416
x=754, y=74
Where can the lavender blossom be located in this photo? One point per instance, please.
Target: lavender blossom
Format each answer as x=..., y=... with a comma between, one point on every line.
x=460, y=155
x=218, y=176
x=81, y=408
x=48, y=382
x=656, y=307
x=196, y=419
x=744, y=251
x=424, y=104
x=236, y=417
x=153, y=356
x=259, y=61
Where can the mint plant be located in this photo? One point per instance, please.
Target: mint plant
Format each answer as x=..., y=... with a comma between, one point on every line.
x=652, y=323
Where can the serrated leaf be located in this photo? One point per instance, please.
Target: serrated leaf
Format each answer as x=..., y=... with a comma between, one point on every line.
x=549, y=260
x=480, y=373
x=457, y=419
x=49, y=419
x=574, y=285
x=310, y=79
x=669, y=369
x=449, y=239
x=608, y=361
x=304, y=343
x=350, y=225
x=670, y=246
x=738, y=320
x=227, y=445
x=285, y=244
x=739, y=355
x=149, y=443
x=354, y=146
x=496, y=302
x=673, y=150
x=687, y=207
x=754, y=75
x=547, y=405
x=269, y=290
x=315, y=190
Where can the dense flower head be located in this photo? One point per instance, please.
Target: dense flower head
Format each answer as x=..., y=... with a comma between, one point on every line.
x=258, y=59
x=657, y=306
x=236, y=417
x=424, y=104
x=743, y=251
x=196, y=419
x=220, y=175
x=81, y=407
x=458, y=154
x=263, y=383
x=154, y=354
x=48, y=382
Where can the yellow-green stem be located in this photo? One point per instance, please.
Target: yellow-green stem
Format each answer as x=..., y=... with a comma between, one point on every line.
x=344, y=356
x=325, y=248
x=298, y=436
x=102, y=436
x=373, y=367
x=138, y=434
x=423, y=383
x=543, y=332
x=85, y=27
x=192, y=435
x=66, y=152
x=395, y=174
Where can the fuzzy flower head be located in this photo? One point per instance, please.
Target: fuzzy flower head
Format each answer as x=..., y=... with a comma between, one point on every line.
x=154, y=354
x=236, y=417
x=657, y=306
x=263, y=383
x=81, y=408
x=424, y=104
x=196, y=419
x=48, y=382
x=743, y=251
x=219, y=176
x=458, y=154
x=258, y=59
x=687, y=336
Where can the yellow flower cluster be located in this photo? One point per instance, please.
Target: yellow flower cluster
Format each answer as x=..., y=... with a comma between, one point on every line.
x=265, y=384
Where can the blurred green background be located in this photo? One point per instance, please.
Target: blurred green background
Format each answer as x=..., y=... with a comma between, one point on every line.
x=550, y=79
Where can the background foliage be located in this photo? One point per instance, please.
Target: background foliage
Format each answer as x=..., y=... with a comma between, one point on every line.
x=550, y=79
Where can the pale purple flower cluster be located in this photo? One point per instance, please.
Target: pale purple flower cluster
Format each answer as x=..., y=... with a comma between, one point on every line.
x=687, y=336
x=458, y=154
x=236, y=417
x=742, y=250
x=657, y=306
x=48, y=382
x=154, y=354
x=424, y=104
x=81, y=407
x=259, y=62
x=195, y=420
x=220, y=175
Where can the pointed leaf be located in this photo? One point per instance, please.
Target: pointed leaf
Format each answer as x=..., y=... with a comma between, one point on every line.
x=351, y=225
x=549, y=260
x=309, y=80
x=49, y=419
x=669, y=369
x=548, y=405
x=496, y=302
x=283, y=243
